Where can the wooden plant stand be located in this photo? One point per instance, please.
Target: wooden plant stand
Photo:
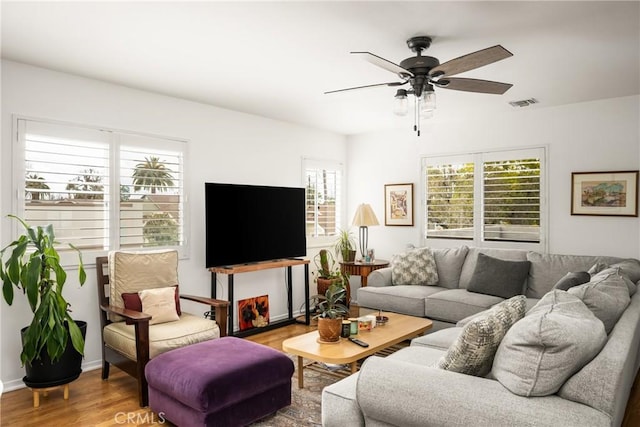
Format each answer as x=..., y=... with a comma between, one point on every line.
x=45, y=391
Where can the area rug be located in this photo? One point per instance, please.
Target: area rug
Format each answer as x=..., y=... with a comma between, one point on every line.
x=305, y=408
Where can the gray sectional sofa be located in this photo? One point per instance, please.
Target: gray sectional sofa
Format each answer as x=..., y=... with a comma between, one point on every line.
x=449, y=301
x=408, y=389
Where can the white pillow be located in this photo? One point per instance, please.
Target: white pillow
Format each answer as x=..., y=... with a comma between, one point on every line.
x=160, y=303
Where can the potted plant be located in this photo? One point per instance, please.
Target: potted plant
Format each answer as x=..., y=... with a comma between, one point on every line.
x=330, y=313
x=329, y=273
x=345, y=246
x=53, y=344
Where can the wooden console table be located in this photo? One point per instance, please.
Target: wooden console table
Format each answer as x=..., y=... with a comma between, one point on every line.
x=230, y=270
x=362, y=269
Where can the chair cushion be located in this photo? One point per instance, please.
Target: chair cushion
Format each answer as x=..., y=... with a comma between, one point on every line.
x=553, y=341
x=135, y=271
x=497, y=277
x=163, y=337
x=132, y=302
x=473, y=351
x=414, y=267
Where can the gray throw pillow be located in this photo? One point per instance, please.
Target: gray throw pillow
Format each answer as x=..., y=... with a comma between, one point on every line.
x=606, y=296
x=552, y=342
x=618, y=271
x=497, y=277
x=570, y=280
x=473, y=351
x=414, y=267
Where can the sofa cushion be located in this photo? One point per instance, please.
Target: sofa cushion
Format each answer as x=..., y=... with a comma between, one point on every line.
x=441, y=340
x=414, y=267
x=471, y=260
x=547, y=269
x=473, y=351
x=497, y=277
x=606, y=296
x=405, y=299
x=570, y=280
x=453, y=305
x=449, y=264
x=553, y=341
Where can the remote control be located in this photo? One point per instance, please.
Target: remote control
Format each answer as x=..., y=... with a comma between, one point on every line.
x=360, y=343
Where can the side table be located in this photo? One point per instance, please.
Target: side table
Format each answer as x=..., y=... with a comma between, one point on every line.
x=362, y=269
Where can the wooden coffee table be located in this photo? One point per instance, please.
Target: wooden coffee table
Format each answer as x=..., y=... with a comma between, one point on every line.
x=399, y=328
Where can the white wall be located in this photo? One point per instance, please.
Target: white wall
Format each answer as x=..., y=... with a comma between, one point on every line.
x=594, y=136
x=225, y=146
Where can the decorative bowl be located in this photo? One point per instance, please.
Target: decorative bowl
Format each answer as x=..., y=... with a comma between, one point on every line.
x=381, y=320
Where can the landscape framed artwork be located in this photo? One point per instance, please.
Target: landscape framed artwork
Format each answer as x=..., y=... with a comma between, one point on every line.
x=398, y=204
x=604, y=193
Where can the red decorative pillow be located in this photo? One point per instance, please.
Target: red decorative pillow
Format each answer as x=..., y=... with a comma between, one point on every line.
x=132, y=302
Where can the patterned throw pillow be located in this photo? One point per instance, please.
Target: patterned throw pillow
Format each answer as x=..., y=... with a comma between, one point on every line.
x=473, y=351
x=414, y=267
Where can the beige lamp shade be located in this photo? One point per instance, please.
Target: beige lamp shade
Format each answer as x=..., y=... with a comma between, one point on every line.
x=365, y=216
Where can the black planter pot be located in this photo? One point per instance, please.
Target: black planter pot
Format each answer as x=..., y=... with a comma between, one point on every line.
x=41, y=373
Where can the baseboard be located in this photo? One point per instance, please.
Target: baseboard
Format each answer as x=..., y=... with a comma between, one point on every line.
x=18, y=383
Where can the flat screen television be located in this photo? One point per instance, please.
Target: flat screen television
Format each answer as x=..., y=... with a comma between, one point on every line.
x=252, y=223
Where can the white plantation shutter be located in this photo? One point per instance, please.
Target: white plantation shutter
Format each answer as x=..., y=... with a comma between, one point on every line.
x=151, y=205
x=82, y=181
x=492, y=197
x=450, y=201
x=65, y=181
x=323, y=184
x=512, y=200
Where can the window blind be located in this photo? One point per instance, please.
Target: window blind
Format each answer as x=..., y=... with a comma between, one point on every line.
x=323, y=184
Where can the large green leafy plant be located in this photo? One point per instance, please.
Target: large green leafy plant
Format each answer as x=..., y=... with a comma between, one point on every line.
x=34, y=268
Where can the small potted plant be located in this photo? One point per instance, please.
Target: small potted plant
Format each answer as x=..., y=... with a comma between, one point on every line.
x=345, y=246
x=329, y=273
x=330, y=314
x=53, y=344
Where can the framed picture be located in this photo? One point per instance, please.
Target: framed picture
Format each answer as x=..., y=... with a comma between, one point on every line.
x=253, y=312
x=398, y=204
x=604, y=193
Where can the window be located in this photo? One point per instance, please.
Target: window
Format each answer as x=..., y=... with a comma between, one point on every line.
x=323, y=183
x=101, y=189
x=485, y=197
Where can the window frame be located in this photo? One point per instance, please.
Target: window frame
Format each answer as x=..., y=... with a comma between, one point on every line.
x=68, y=258
x=479, y=158
x=334, y=165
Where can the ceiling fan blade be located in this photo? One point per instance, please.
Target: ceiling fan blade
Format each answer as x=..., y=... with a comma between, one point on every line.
x=366, y=86
x=473, y=85
x=471, y=61
x=384, y=63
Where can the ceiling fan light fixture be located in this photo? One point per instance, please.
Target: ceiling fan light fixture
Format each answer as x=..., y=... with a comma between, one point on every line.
x=401, y=104
x=428, y=101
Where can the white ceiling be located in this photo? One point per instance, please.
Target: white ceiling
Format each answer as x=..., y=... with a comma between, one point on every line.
x=276, y=59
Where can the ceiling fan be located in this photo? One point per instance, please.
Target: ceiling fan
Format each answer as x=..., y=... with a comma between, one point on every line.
x=422, y=73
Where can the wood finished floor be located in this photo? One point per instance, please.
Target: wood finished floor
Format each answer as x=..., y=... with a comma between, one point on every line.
x=94, y=402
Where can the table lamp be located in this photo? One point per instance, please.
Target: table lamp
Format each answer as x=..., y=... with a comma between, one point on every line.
x=364, y=217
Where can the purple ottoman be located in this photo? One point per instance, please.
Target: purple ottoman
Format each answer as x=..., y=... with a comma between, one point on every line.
x=222, y=382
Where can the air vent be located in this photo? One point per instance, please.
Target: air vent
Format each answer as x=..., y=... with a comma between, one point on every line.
x=524, y=102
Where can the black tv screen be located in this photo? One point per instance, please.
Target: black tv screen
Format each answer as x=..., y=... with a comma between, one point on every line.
x=252, y=223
